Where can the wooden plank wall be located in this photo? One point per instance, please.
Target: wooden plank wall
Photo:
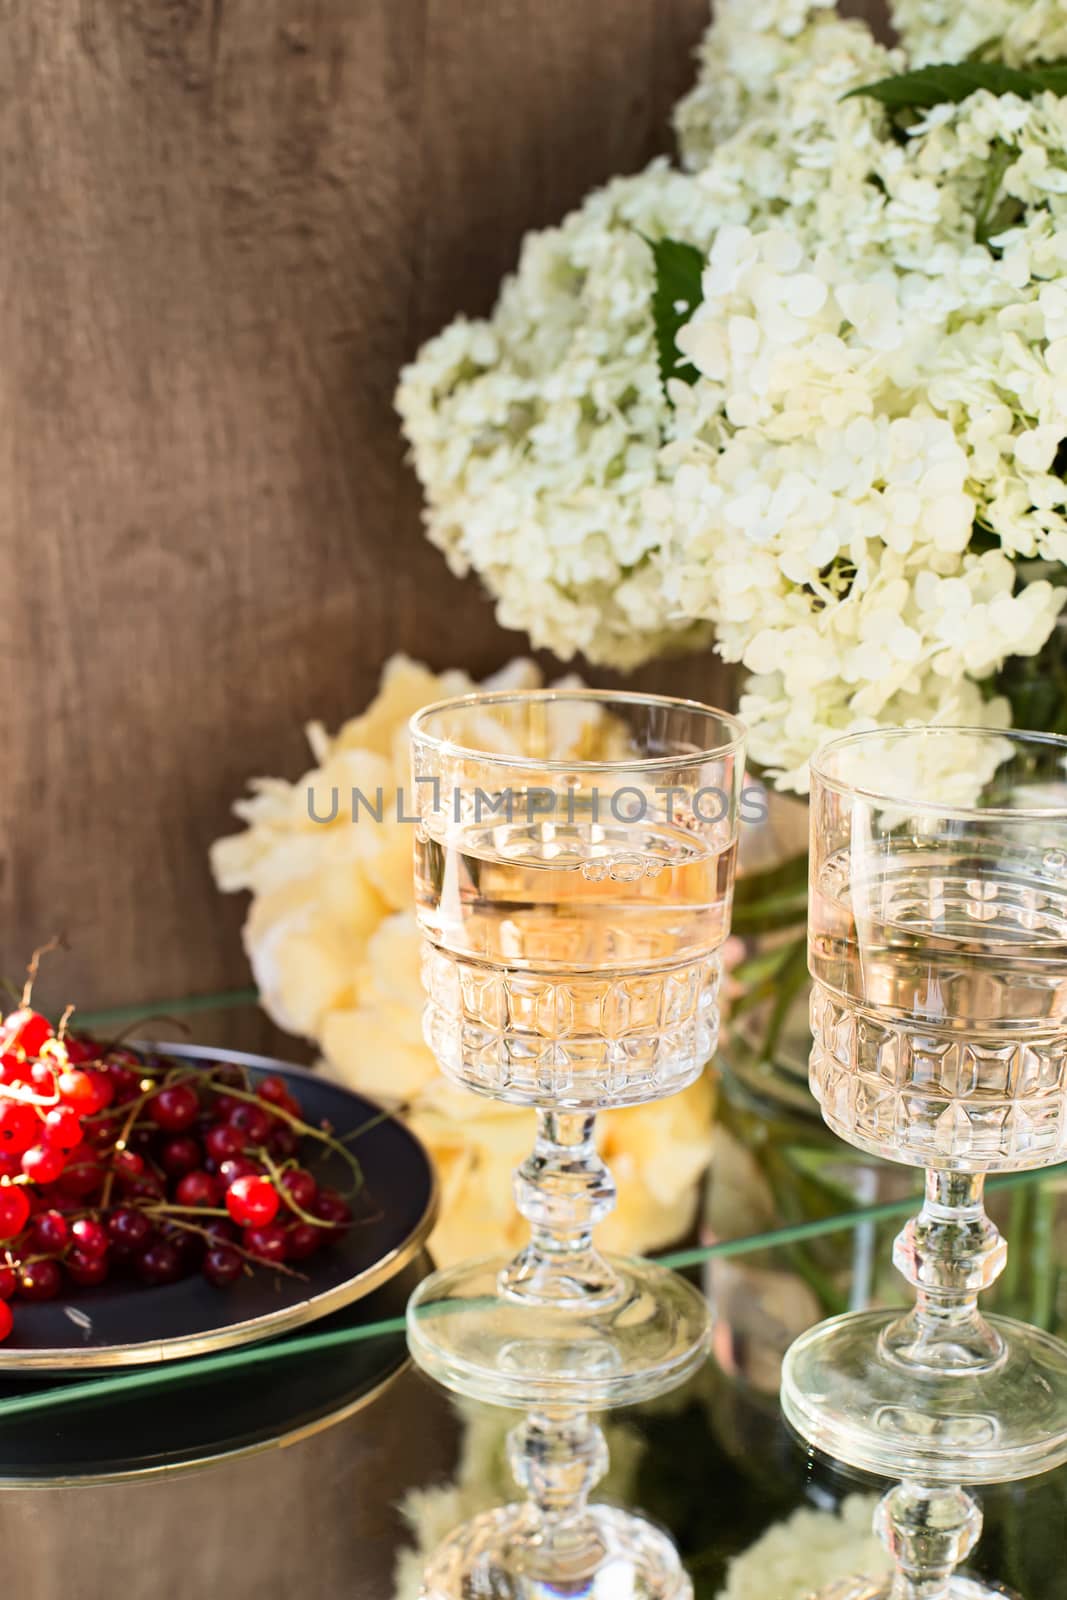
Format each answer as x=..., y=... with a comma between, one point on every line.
x=224, y=224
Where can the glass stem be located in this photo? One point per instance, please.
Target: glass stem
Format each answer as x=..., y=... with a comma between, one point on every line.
x=928, y=1531
x=563, y=1189
x=949, y=1253
x=558, y=1457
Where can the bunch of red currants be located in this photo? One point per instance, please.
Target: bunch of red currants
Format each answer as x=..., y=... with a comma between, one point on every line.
x=111, y=1161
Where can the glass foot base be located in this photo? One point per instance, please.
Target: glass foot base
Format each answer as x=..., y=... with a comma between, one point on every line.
x=881, y=1589
x=512, y=1554
x=512, y=1351
x=844, y=1394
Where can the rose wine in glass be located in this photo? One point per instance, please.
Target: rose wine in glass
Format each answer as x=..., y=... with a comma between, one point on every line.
x=574, y=866
x=938, y=950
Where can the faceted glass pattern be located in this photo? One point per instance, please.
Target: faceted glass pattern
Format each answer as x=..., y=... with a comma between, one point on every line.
x=937, y=942
x=929, y=1099
x=575, y=1042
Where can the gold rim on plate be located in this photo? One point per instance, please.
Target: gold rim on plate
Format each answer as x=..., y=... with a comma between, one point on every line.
x=272, y=1323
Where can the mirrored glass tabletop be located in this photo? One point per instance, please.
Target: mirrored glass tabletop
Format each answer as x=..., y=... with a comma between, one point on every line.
x=321, y=1464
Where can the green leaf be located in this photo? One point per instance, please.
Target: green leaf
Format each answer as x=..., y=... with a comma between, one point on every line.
x=678, y=292
x=764, y=965
x=954, y=81
x=770, y=915
x=786, y=876
x=1036, y=686
x=765, y=902
x=794, y=979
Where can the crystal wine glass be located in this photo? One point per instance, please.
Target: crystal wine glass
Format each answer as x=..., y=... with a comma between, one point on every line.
x=938, y=949
x=574, y=868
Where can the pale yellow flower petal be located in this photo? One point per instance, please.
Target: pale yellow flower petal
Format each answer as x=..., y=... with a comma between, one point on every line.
x=406, y=687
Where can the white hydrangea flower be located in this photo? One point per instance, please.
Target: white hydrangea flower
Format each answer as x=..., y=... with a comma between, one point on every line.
x=822, y=513
x=741, y=58
x=536, y=433
x=1016, y=31
x=875, y=439
x=810, y=1549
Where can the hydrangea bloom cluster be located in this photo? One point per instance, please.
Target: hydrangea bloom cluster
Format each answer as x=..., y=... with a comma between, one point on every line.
x=810, y=1547
x=537, y=432
x=862, y=495
x=1016, y=31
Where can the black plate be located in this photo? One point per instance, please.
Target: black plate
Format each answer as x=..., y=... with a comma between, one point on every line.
x=124, y=1324
x=205, y=1416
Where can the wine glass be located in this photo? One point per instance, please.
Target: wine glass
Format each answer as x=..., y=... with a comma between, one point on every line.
x=574, y=867
x=938, y=949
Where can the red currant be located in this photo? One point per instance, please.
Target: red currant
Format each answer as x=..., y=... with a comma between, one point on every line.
x=252, y=1201
x=159, y=1263
x=102, y=1135
x=331, y=1208
x=75, y=1089
x=304, y=1238
x=19, y=1126
x=125, y=1083
x=300, y=1187
x=43, y=1163
x=28, y=1029
x=223, y=1141
x=103, y=1089
x=89, y=1236
x=239, y=1167
x=83, y=1174
x=221, y=1229
x=49, y=1233
x=12, y=1069
x=267, y=1241
x=62, y=1128
x=253, y=1122
x=7, y=1321
x=42, y=1076
x=175, y=1108
x=283, y=1142
x=128, y=1165
x=221, y=1265
x=8, y=1282
x=14, y=1210
x=86, y=1270
x=40, y=1280
x=189, y=1245
x=180, y=1155
x=274, y=1090
x=147, y=1188
x=80, y=1050
x=198, y=1189
x=129, y=1231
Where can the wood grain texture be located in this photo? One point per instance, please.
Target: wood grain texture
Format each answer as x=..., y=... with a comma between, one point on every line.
x=225, y=225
